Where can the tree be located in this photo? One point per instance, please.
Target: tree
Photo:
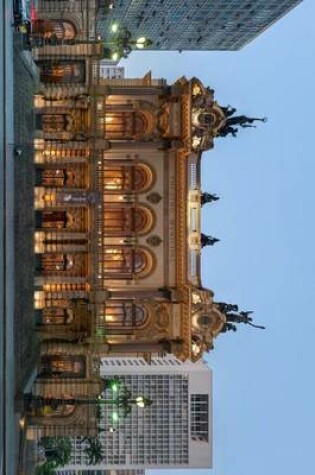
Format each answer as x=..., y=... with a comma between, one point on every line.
x=93, y=450
x=47, y=468
x=57, y=450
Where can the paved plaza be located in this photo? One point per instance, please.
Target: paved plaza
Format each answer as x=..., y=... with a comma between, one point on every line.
x=18, y=345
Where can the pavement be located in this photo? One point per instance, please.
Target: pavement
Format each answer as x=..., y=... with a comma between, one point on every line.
x=18, y=348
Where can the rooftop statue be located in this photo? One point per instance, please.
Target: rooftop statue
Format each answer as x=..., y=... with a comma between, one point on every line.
x=208, y=198
x=243, y=120
x=226, y=307
x=242, y=317
x=228, y=111
x=227, y=327
x=226, y=130
x=208, y=240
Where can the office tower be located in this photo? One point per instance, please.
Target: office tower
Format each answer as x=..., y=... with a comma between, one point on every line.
x=173, y=432
x=190, y=24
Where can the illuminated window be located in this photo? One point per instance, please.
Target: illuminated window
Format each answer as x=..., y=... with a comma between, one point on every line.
x=124, y=315
x=126, y=220
x=55, y=262
x=51, y=219
x=63, y=366
x=124, y=125
x=61, y=71
x=51, y=177
x=133, y=177
x=60, y=29
x=54, y=316
x=126, y=262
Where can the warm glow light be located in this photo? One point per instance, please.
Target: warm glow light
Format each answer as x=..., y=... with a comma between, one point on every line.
x=108, y=119
x=114, y=27
x=115, y=56
x=139, y=45
x=22, y=423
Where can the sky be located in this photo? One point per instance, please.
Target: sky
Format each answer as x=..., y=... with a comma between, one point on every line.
x=264, y=384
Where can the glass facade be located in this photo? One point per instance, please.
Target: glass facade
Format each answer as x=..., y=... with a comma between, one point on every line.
x=191, y=25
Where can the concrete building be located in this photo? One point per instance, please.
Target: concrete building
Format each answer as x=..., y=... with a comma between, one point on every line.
x=111, y=71
x=191, y=24
x=174, y=432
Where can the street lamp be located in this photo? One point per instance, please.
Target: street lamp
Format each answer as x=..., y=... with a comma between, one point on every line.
x=124, y=42
x=122, y=400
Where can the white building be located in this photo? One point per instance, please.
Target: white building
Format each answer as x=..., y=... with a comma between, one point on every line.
x=174, y=432
x=110, y=70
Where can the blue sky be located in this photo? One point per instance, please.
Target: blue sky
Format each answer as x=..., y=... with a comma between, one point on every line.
x=264, y=390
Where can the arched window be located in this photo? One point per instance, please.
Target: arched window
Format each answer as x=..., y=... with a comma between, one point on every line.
x=63, y=366
x=126, y=220
x=56, y=262
x=125, y=125
x=62, y=71
x=124, y=315
x=59, y=29
x=51, y=219
x=122, y=262
x=51, y=177
x=54, y=316
x=134, y=177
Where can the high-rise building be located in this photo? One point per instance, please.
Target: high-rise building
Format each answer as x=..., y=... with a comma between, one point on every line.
x=174, y=432
x=191, y=24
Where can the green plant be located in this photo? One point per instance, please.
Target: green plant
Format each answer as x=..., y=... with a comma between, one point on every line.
x=57, y=450
x=93, y=450
x=47, y=468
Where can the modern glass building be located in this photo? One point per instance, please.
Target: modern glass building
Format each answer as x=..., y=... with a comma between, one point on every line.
x=175, y=431
x=193, y=24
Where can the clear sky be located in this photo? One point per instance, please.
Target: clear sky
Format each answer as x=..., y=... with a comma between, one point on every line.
x=264, y=381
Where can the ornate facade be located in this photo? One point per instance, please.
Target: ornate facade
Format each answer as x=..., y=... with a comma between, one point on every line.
x=118, y=239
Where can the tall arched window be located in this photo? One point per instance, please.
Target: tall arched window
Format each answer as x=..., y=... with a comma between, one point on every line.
x=59, y=71
x=51, y=219
x=60, y=29
x=132, y=177
x=54, y=316
x=124, y=315
x=63, y=366
x=56, y=262
x=122, y=262
x=125, y=125
x=127, y=220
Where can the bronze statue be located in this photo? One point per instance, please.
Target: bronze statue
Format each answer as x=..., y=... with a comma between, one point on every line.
x=226, y=307
x=228, y=110
x=226, y=130
x=208, y=198
x=228, y=327
x=243, y=119
x=208, y=240
x=242, y=317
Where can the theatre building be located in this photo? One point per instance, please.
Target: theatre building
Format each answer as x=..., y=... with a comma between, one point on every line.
x=117, y=240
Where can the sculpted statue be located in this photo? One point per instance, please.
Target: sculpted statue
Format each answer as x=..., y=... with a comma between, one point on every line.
x=243, y=119
x=226, y=307
x=226, y=130
x=228, y=111
x=208, y=240
x=228, y=327
x=208, y=198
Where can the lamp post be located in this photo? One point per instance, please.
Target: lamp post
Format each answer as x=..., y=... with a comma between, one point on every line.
x=122, y=400
x=120, y=47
